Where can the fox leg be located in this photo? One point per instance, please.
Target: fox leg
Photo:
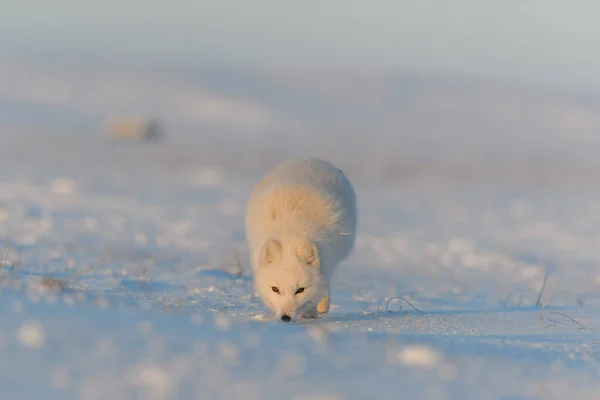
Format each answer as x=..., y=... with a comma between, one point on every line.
x=323, y=306
x=310, y=313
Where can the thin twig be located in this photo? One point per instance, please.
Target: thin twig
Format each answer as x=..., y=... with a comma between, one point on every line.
x=366, y=308
x=401, y=298
x=516, y=291
x=79, y=286
x=5, y=263
x=378, y=306
x=566, y=316
x=537, y=303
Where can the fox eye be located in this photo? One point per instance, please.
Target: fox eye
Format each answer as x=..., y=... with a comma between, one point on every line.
x=300, y=290
x=275, y=289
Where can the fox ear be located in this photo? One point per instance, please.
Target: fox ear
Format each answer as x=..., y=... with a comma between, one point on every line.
x=308, y=253
x=271, y=252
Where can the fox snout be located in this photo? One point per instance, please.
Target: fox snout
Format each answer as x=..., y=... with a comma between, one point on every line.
x=286, y=318
x=288, y=313
x=291, y=314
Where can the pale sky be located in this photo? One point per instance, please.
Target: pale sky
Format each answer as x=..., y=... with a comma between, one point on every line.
x=551, y=40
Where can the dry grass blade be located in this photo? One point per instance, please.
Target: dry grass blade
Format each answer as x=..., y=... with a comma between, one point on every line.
x=539, y=299
x=566, y=316
x=5, y=263
x=403, y=299
x=378, y=306
x=515, y=291
x=366, y=308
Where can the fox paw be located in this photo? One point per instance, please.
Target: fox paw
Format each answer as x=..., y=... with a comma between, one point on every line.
x=323, y=306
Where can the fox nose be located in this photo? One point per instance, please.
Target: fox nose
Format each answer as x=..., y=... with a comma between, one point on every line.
x=285, y=318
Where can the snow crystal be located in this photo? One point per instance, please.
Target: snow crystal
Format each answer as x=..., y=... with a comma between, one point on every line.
x=419, y=356
x=460, y=245
x=145, y=327
x=63, y=186
x=17, y=306
x=207, y=176
x=31, y=335
x=104, y=348
x=60, y=378
x=150, y=377
x=222, y=322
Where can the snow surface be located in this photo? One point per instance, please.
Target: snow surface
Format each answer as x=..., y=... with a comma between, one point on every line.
x=127, y=277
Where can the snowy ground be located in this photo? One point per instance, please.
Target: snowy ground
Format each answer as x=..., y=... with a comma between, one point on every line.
x=127, y=278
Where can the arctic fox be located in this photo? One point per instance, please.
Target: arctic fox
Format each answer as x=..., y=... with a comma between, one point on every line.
x=300, y=223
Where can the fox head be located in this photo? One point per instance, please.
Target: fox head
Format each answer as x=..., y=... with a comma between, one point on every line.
x=288, y=278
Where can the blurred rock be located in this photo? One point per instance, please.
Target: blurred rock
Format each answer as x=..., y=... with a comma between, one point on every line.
x=135, y=128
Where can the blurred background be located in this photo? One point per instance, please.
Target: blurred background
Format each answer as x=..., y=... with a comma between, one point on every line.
x=392, y=89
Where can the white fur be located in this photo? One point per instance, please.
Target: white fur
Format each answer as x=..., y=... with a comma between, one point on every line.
x=300, y=223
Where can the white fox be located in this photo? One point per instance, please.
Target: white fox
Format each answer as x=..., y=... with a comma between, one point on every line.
x=300, y=223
